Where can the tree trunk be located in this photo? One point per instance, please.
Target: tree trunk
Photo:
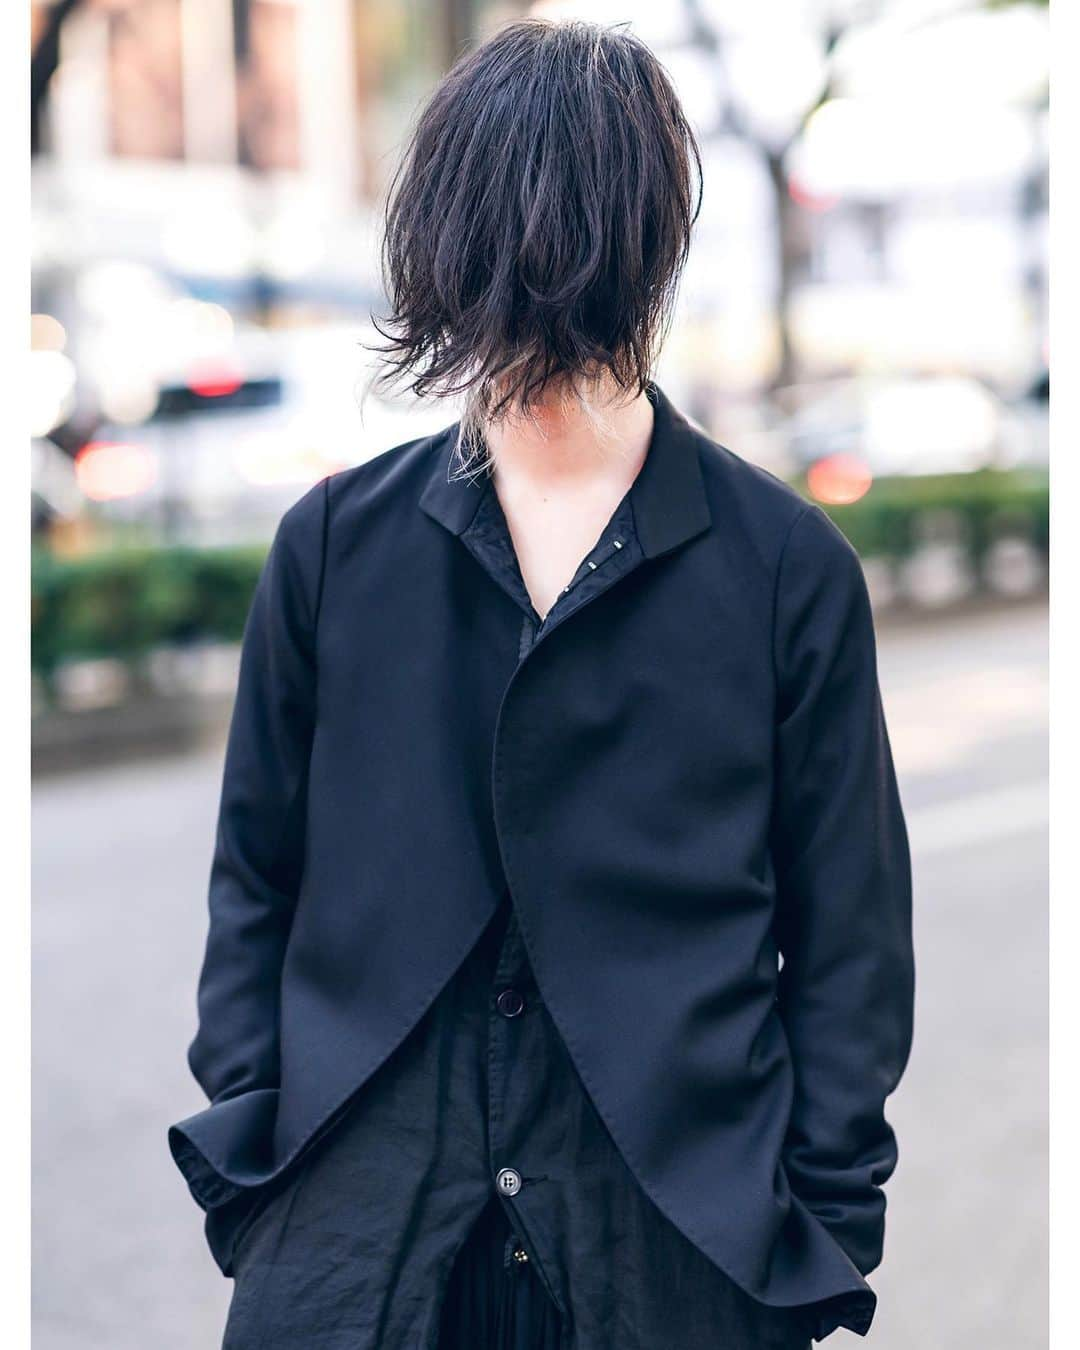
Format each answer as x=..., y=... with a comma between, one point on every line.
x=788, y=258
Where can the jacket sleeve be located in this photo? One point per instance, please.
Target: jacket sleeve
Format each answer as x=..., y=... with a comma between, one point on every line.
x=259, y=850
x=843, y=879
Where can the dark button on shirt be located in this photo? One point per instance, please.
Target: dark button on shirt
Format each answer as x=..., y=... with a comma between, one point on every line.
x=510, y=1003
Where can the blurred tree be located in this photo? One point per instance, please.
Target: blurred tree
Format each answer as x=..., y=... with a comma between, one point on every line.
x=772, y=140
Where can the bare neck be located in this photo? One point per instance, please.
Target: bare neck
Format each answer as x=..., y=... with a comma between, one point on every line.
x=559, y=478
x=562, y=451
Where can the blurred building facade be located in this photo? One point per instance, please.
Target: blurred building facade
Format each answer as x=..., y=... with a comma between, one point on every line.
x=240, y=146
x=867, y=279
x=875, y=170
x=206, y=172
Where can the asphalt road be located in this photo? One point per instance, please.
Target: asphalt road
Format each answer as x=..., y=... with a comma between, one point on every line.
x=120, y=865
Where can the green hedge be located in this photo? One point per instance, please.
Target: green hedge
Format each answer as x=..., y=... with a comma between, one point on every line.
x=125, y=602
x=898, y=513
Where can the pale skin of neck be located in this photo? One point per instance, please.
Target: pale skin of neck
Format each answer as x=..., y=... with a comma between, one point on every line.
x=559, y=478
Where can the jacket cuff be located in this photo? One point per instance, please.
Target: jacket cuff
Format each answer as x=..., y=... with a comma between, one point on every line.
x=854, y=1312
x=208, y=1187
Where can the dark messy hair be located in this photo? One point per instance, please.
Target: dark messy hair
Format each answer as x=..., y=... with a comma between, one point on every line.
x=539, y=221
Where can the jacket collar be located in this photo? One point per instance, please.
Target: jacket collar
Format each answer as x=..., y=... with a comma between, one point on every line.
x=668, y=495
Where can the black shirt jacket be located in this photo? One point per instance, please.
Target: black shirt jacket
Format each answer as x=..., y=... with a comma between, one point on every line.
x=687, y=787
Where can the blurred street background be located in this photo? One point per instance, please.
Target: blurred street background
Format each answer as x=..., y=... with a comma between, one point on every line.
x=864, y=313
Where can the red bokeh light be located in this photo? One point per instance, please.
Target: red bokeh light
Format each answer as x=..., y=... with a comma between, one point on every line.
x=215, y=382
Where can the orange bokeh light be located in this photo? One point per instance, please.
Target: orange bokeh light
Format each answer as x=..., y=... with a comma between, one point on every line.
x=838, y=480
x=107, y=470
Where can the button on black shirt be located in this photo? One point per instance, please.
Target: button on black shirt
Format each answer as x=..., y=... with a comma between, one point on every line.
x=511, y=1003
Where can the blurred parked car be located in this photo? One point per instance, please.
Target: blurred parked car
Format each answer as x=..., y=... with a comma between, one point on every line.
x=920, y=425
x=232, y=441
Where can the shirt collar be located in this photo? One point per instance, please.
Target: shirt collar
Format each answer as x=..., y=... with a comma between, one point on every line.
x=668, y=495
